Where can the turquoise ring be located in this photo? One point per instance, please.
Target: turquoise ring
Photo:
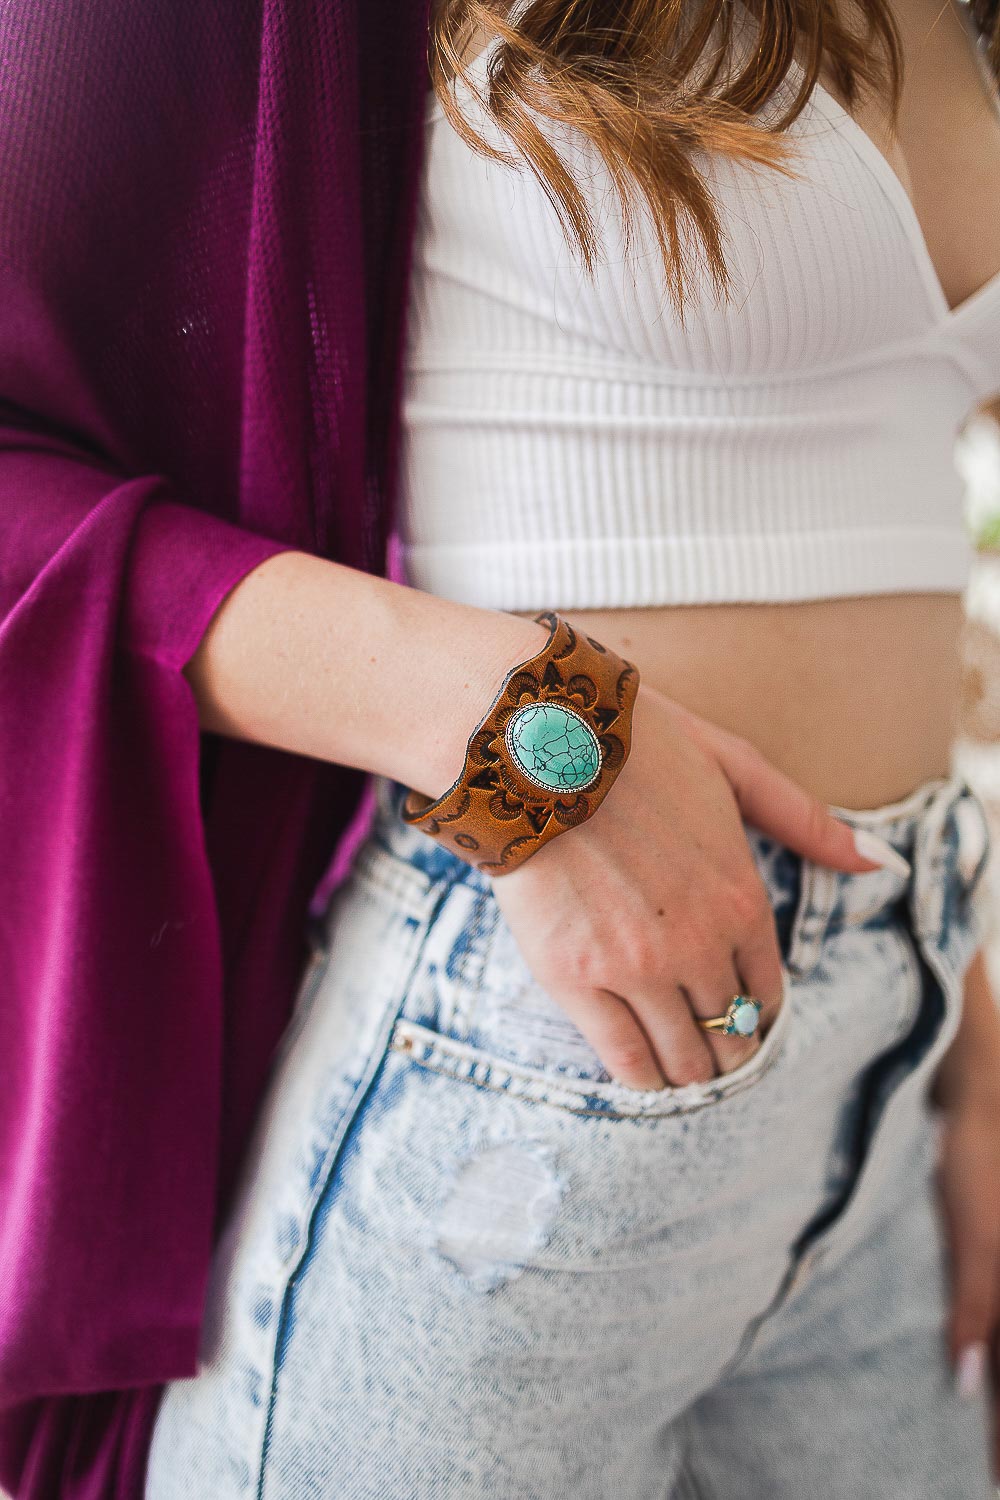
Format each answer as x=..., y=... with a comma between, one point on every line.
x=742, y=1017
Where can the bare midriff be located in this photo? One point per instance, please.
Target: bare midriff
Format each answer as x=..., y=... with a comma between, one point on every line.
x=855, y=698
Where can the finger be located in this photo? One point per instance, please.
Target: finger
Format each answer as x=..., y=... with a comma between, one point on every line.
x=779, y=806
x=710, y=997
x=681, y=1046
x=616, y=1036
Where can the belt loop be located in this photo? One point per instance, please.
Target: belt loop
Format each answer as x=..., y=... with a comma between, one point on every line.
x=940, y=859
x=975, y=837
x=929, y=859
x=817, y=897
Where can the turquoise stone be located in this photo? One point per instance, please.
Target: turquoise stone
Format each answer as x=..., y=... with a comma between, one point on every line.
x=744, y=1017
x=554, y=747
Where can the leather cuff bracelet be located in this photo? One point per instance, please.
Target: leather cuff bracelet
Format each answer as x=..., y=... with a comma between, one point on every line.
x=543, y=758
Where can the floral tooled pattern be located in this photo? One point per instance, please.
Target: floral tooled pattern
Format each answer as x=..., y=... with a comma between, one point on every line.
x=493, y=811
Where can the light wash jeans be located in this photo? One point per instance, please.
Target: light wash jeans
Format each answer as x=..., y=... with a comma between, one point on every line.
x=465, y=1263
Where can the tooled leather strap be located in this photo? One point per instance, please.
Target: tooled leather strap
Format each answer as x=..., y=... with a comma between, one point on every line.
x=544, y=757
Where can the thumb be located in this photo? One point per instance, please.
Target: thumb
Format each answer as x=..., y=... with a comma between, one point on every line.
x=779, y=806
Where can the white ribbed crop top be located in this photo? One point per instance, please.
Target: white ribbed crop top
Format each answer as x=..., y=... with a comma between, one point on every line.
x=569, y=444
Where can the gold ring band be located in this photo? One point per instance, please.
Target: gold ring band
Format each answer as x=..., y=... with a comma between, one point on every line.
x=741, y=1018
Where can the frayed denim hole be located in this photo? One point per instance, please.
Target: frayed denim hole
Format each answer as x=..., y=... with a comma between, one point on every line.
x=500, y=1200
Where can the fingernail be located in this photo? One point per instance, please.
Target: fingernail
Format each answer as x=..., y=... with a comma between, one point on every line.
x=970, y=1371
x=870, y=846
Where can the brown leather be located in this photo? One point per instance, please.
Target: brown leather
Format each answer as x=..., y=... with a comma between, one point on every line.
x=495, y=817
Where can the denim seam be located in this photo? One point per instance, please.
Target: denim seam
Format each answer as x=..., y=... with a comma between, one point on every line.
x=859, y=1189
x=408, y=963
x=853, y=1209
x=847, y=1209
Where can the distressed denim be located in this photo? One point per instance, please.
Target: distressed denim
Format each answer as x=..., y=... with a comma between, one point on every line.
x=464, y=1262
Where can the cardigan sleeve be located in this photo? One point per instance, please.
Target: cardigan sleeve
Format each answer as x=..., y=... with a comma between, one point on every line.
x=109, y=940
x=180, y=564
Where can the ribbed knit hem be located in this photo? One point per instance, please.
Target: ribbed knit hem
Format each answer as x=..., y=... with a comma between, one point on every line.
x=624, y=573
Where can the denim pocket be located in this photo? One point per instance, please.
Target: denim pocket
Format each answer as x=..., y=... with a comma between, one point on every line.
x=476, y=1013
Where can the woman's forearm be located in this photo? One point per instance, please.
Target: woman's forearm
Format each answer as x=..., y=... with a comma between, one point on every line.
x=314, y=657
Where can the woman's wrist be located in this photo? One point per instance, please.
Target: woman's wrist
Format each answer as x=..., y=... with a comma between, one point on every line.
x=476, y=670
x=324, y=660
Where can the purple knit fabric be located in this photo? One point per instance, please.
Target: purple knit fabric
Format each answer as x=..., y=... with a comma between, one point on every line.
x=206, y=214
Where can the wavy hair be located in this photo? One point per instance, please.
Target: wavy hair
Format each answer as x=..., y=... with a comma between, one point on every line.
x=652, y=82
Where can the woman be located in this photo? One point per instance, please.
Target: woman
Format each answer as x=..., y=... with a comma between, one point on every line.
x=515, y=1221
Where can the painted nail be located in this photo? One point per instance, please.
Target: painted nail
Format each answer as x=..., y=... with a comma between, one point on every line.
x=870, y=846
x=970, y=1371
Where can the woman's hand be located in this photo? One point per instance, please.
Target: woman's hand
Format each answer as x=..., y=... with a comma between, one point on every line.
x=648, y=909
x=653, y=912
x=967, y=1090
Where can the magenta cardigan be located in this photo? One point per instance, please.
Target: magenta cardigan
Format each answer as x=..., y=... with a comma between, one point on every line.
x=206, y=212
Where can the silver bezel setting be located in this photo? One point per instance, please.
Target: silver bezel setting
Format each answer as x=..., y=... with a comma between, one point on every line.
x=552, y=791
